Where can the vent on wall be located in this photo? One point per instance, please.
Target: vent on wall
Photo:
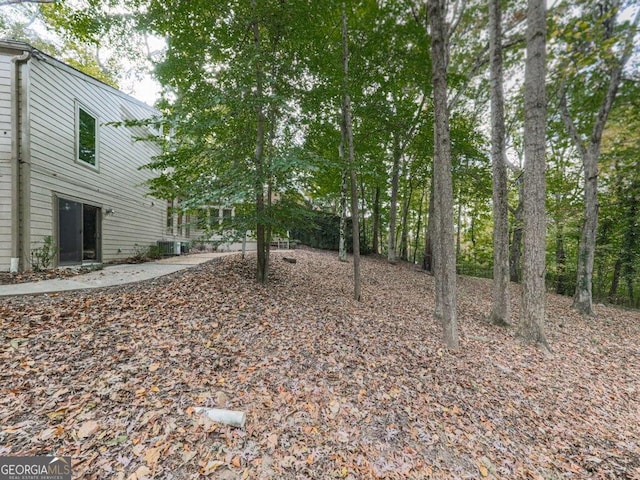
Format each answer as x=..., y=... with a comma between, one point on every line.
x=169, y=248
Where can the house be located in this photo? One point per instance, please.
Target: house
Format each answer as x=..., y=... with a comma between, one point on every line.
x=66, y=172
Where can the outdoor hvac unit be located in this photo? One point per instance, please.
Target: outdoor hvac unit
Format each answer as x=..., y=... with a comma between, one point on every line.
x=169, y=248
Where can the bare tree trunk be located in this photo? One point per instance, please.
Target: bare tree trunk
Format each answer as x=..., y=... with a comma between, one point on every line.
x=531, y=327
x=346, y=114
x=561, y=259
x=445, y=271
x=615, y=281
x=459, y=230
x=500, y=307
x=375, y=240
x=261, y=234
x=583, y=297
x=363, y=214
x=427, y=260
x=515, y=253
x=393, y=210
x=419, y=224
x=342, y=249
x=268, y=227
x=404, y=235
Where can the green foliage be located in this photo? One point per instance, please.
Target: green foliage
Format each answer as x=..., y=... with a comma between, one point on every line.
x=144, y=253
x=43, y=257
x=617, y=266
x=139, y=254
x=210, y=101
x=154, y=252
x=68, y=37
x=322, y=231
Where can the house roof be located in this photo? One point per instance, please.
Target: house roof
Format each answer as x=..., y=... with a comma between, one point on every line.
x=18, y=46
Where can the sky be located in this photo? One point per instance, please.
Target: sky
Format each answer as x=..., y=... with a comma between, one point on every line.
x=137, y=82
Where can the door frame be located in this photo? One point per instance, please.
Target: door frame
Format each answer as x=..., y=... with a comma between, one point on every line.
x=56, y=225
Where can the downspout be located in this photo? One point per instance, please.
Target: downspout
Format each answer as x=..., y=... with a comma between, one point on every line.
x=16, y=160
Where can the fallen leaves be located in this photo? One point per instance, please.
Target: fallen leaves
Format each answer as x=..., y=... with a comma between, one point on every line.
x=87, y=429
x=332, y=388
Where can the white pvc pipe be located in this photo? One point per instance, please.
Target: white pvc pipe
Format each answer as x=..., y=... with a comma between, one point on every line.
x=228, y=417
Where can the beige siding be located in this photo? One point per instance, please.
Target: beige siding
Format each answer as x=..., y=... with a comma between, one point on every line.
x=5, y=161
x=116, y=184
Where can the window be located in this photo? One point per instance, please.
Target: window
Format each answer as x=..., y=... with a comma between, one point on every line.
x=87, y=138
x=227, y=213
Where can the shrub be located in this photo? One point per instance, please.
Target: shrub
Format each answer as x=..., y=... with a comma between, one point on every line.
x=42, y=257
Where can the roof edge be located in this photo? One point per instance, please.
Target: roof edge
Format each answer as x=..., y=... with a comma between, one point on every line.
x=19, y=46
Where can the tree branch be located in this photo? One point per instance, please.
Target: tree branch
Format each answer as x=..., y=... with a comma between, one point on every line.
x=481, y=61
x=569, y=123
x=614, y=83
x=458, y=13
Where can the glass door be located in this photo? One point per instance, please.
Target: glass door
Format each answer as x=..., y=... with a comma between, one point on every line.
x=69, y=232
x=90, y=233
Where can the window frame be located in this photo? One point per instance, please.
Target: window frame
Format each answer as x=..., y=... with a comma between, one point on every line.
x=78, y=107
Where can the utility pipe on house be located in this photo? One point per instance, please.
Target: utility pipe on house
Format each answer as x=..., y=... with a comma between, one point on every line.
x=16, y=160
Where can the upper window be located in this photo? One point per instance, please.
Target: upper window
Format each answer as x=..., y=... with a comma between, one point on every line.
x=87, y=138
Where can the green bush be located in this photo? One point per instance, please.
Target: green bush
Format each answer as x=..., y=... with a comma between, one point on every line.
x=154, y=252
x=42, y=258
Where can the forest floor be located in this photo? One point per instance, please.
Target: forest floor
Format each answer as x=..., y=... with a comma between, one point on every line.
x=332, y=388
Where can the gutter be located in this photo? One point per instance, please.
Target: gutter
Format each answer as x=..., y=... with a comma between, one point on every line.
x=16, y=160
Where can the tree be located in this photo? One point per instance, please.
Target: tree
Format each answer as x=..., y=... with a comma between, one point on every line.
x=445, y=256
x=597, y=60
x=347, y=131
x=500, y=308
x=531, y=327
x=25, y=25
x=234, y=139
x=618, y=247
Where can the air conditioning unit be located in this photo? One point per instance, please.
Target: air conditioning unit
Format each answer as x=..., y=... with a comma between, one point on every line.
x=169, y=248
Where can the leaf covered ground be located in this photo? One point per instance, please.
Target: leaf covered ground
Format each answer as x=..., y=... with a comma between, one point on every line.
x=332, y=388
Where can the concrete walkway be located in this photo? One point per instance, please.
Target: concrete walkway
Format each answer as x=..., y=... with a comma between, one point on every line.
x=112, y=275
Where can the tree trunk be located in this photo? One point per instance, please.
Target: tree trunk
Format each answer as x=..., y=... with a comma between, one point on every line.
x=375, y=240
x=459, y=230
x=342, y=249
x=393, y=210
x=346, y=115
x=445, y=271
x=427, y=260
x=418, y=225
x=363, y=215
x=561, y=259
x=500, y=307
x=531, y=327
x=515, y=254
x=261, y=233
x=404, y=235
x=583, y=298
